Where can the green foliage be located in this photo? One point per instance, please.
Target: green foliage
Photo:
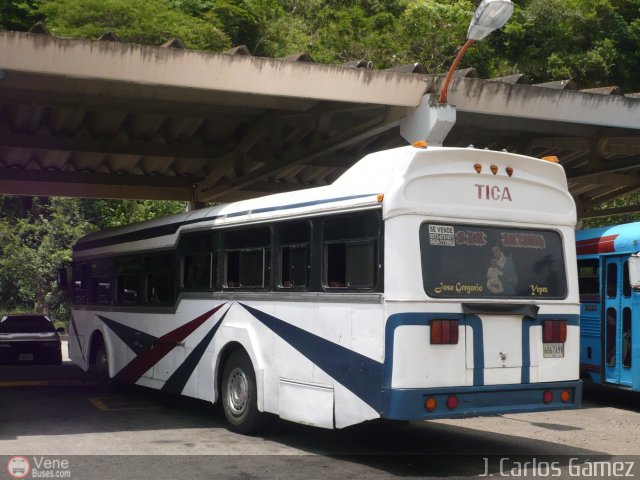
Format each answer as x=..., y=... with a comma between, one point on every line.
x=36, y=236
x=432, y=32
x=32, y=246
x=624, y=201
x=18, y=15
x=110, y=213
x=142, y=21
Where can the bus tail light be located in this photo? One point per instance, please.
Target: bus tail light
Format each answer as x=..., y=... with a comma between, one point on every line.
x=554, y=331
x=452, y=402
x=430, y=404
x=444, y=332
x=565, y=396
x=547, y=396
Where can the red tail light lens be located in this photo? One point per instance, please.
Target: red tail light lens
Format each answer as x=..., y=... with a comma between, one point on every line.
x=452, y=402
x=444, y=332
x=554, y=331
x=547, y=396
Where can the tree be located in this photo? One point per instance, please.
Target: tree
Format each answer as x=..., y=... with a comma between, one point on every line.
x=18, y=15
x=150, y=22
x=32, y=247
x=36, y=236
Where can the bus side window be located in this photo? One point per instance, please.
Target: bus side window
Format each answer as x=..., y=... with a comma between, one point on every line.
x=198, y=253
x=350, y=252
x=80, y=283
x=589, y=277
x=100, y=284
x=294, y=241
x=247, y=258
x=130, y=281
x=626, y=337
x=611, y=337
x=159, y=270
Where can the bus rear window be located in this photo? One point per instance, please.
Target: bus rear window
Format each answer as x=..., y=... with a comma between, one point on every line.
x=473, y=261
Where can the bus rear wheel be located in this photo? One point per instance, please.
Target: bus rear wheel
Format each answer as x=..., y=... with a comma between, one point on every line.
x=99, y=368
x=239, y=395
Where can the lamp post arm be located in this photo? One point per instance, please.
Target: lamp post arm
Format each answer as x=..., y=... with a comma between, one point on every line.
x=445, y=86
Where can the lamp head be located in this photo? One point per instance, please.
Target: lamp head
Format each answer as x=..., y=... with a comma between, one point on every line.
x=489, y=16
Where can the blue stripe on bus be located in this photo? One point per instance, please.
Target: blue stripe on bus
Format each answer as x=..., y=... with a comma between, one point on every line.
x=310, y=203
x=134, y=339
x=478, y=349
x=176, y=382
x=359, y=374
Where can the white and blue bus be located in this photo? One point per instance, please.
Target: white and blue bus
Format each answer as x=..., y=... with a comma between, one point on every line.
x=610, y=305
x=424, y=283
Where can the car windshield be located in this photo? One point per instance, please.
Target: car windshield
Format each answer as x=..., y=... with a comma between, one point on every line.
x=26, y=324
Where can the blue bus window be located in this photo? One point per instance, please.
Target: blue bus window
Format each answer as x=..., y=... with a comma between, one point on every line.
x=626, y=337
x=611, y=337
x=589, y=277
x=612, y=280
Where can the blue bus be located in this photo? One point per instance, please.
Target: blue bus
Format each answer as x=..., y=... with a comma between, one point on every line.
x=609, y=305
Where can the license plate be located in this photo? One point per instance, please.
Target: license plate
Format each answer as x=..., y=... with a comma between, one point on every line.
x=25, y=357
x=553, y=350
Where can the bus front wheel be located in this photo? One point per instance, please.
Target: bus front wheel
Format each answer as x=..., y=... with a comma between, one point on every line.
x=239, y=395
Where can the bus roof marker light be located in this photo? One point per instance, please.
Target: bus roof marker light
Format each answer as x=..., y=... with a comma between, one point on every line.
x=478, y=167
x=494, y=169
x=509, y=171
x=551, y=158
x=420, y=144
x=380, y=197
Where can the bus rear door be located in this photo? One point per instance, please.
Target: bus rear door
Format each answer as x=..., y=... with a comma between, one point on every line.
x=618, y=312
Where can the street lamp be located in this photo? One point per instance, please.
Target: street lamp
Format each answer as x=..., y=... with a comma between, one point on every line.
x=489, y=16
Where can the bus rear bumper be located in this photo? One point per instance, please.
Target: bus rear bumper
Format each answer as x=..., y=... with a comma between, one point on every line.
x=460, y=402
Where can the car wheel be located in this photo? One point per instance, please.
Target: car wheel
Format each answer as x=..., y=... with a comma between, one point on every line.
x=239, y=397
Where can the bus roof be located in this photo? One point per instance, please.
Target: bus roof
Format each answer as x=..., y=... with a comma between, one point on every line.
x=623, y=238
x=433, y=181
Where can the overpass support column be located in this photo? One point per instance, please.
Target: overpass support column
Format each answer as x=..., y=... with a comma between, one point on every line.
x=430, y=121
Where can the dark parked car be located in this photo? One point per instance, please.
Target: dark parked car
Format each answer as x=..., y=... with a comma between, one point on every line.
x=29, y=339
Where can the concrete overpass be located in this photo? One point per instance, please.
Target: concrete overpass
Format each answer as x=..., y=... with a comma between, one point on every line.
x=111, y=120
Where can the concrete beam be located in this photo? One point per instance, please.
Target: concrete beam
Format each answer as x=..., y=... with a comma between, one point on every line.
x=524, y=101
x=128, y=64
x=83, y=185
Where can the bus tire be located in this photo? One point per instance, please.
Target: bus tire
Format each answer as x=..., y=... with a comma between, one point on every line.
x=239, y=395
x=99, y=368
